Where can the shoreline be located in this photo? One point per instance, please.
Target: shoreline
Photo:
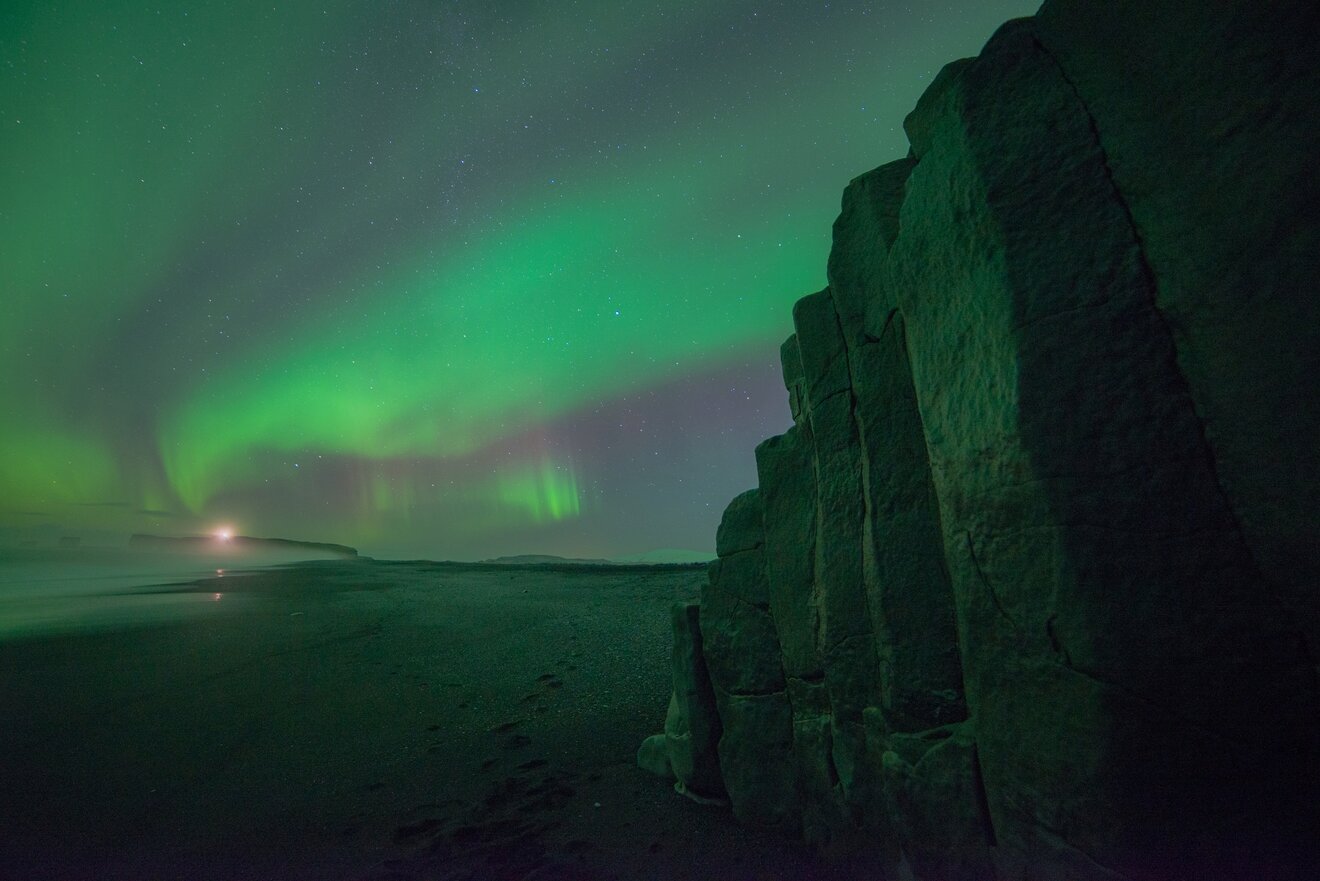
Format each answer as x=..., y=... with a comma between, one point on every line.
x=364, y=719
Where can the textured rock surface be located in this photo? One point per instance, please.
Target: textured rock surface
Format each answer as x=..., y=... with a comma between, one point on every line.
x=788, y=492
x=1030, y=588
x=1092, y=557
x=940, y=822
x=1209, y=127
x=743, y=656
x=653, y=756
x=692, y=725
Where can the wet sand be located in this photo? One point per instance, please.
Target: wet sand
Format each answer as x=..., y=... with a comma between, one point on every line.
x=365, y=720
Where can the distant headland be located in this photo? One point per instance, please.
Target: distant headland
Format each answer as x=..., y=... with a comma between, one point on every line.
x=239, y=543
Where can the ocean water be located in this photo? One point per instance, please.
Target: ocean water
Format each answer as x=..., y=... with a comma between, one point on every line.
x=48, y=591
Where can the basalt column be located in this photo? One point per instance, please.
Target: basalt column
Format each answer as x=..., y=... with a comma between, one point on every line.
x=1120, y=648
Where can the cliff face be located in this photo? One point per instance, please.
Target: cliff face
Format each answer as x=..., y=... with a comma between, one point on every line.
x=1031, y=589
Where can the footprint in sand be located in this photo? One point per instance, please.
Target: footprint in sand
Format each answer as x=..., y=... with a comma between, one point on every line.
x=506, y=727
x=410, y=831
x=533, y=765
x=538, y=698
x=353, y=826
x=547, y=795
x=517, y=741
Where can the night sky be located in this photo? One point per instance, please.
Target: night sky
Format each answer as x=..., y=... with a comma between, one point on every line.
x=443, y=279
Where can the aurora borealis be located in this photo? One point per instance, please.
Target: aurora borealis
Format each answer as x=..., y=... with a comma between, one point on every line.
x=446, y=279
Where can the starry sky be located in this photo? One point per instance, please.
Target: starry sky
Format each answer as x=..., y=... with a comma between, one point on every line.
x=428, y=277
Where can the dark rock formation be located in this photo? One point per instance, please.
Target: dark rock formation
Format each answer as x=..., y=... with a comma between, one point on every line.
x=692, y=725
x=742, y=651
x=1031, y=589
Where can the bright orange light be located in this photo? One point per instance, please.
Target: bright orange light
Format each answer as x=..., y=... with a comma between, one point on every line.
x=224, y=533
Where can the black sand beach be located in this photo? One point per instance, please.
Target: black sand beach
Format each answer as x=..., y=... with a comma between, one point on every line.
x=363, y=719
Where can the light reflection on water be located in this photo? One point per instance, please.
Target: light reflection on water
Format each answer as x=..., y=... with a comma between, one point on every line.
x=44, y=592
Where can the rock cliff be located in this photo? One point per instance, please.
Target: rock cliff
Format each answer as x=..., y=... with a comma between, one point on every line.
x=1031, y=588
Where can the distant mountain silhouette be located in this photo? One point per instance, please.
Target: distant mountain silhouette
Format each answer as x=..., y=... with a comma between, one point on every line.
x=211, y=544
x=542, y=559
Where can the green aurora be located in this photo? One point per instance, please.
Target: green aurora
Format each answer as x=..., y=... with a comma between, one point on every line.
x=408, y=275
